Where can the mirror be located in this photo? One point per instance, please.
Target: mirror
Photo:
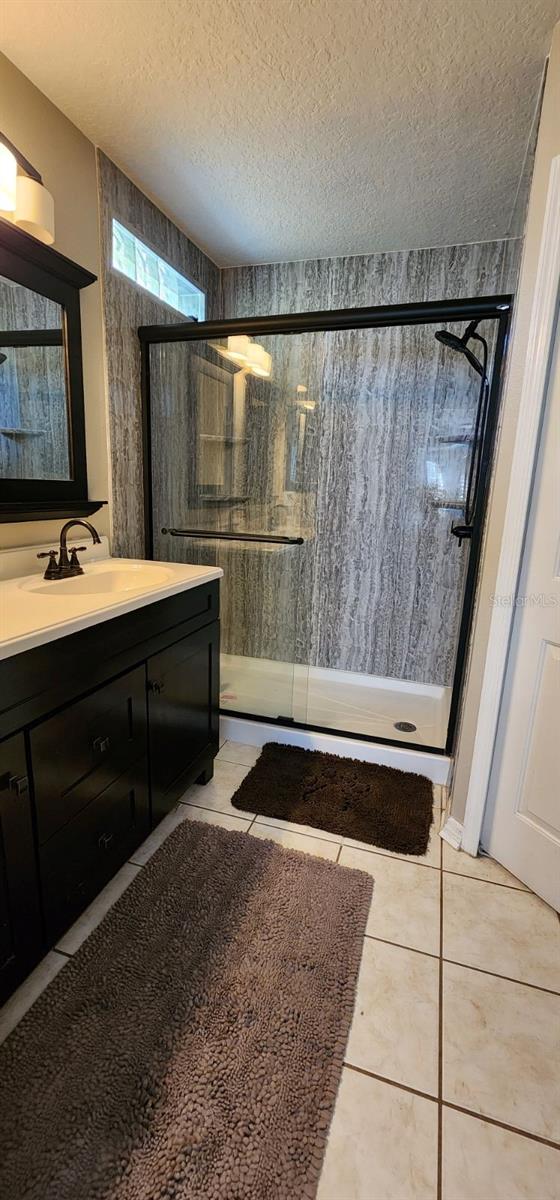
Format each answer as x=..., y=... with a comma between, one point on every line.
x=34, y=442
x=42, y=435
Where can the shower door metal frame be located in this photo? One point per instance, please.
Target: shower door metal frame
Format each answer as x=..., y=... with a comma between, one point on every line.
x=431, y=312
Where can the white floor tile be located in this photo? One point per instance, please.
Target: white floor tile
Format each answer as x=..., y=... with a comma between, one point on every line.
x=210, y=817
x=394, y=1031
x=500, y=929
x=482, y=867
x=238, y=752
x=432, y=857
x=28, y=992
x=501, y=1050
x=484, y=1162
x=318, y=846
x=158, y=835
x=89, y=920
x=382, y=1144
x=295, y=827
x=406, y=899
x=217, y=794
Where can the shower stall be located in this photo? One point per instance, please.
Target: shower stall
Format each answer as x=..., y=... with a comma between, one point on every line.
x=336, y=466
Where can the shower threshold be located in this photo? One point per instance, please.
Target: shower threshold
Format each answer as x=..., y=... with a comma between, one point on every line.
x=364, y=705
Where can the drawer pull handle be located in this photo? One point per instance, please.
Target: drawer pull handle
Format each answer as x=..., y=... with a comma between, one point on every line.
x=101, y=745
x=19, y=784
x=105, y=840
x=155, y=686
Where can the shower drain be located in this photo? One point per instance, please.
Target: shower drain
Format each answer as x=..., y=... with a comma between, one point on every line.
x=404, y=726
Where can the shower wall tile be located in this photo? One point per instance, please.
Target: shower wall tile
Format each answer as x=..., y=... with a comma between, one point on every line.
x=125, y=307
x=406, y=277
x=378, y=587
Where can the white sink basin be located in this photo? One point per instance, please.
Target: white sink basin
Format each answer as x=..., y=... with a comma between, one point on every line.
x=102, y=580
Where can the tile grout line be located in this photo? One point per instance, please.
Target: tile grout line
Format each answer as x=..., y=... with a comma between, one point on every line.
x=493, y=882
x=537, y=987
x=391, y=1082
x=400, y=945
x=468, y=1112
x=532, y=1137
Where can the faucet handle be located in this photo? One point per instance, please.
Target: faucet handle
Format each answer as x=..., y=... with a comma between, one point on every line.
x=77, y=549
x=53, y=570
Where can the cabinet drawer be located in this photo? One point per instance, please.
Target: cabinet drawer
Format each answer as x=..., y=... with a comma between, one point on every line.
x=77, y=753
x=82, y=857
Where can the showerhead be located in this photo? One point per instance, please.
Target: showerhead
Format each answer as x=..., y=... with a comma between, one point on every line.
x=460, y=344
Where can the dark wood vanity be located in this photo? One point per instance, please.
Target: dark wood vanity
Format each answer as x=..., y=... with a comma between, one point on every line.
x=101, y=732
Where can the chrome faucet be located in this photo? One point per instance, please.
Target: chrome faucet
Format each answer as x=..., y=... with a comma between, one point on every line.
x=66, y=567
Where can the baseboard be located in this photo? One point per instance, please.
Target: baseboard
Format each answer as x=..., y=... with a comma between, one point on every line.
x=452, y=832
x=255, y=733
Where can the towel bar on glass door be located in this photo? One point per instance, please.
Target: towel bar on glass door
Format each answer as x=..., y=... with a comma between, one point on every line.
x=221, y=535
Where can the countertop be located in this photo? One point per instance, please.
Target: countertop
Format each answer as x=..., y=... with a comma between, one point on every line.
x=30, y=618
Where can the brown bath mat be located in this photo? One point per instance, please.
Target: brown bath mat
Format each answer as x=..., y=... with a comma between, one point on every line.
x=193, y=1046
x=387, y=808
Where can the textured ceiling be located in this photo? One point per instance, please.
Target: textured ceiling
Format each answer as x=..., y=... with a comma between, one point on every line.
x=284, y=129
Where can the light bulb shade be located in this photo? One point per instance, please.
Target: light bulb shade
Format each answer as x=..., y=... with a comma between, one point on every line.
x=237, y=347
x=8, y=176
x=34, y=209
x=260, y=362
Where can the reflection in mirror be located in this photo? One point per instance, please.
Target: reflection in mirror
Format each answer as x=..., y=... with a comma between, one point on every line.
x=34, y=432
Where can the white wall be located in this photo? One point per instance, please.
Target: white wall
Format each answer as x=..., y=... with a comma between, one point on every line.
x=66, y=160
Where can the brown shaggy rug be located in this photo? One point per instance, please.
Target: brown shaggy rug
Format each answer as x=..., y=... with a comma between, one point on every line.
x=387, y=808
x=193, y=1046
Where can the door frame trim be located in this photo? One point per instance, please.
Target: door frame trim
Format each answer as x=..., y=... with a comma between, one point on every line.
x=531, y=406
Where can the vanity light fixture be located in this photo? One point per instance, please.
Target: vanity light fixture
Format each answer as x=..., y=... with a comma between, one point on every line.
x=259, y=361
x=8, y=173
x=237, y=347
x=23, y=199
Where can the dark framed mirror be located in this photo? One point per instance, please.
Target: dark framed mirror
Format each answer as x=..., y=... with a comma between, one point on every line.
x=43, y=469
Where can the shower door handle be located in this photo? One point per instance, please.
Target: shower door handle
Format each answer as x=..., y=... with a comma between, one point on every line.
x=462, y=532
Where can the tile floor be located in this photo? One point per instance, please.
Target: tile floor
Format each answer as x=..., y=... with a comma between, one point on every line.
x=450, y=1089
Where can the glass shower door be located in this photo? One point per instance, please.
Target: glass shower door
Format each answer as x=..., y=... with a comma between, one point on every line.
x=329, y=472
x=217, y=499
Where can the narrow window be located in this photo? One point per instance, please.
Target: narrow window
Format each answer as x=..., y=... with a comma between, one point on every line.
x=145, y=268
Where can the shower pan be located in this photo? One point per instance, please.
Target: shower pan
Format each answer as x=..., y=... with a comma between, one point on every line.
x=336, y=466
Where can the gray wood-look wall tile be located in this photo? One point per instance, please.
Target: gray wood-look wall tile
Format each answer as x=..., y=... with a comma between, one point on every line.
x=125, y=308
x=377, y=585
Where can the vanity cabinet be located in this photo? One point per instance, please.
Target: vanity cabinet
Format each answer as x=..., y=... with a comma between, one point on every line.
x=20, y=914
x=102, y=732
x=96, y=738
x=181, y=680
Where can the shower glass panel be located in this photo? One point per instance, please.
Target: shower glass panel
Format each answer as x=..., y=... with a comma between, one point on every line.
x=327, y=471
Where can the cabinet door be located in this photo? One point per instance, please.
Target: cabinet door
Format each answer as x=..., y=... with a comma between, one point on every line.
x=79, y=860
x=77, y=753
x=183, y=699
x=20, y=917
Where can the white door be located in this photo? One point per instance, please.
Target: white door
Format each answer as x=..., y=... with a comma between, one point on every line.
x=522, y=822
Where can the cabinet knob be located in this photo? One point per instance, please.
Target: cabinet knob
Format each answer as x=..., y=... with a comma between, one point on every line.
x=101, y=744
x=19, y=784
x=105, y=840
x=155, y=686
